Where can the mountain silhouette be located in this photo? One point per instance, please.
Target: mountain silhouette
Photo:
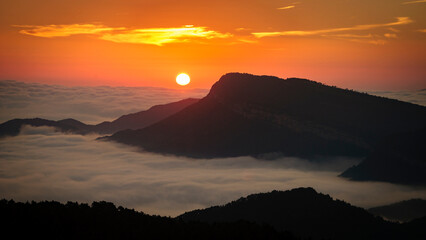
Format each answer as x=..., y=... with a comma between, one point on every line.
x=245, y=114
x=404, y=211
x=308, y=214
x=103, y=220
x=129, y=121
x=300, y=213
x=399, y=158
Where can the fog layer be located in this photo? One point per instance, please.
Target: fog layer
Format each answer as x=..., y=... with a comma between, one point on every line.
x=40, y=164
x=87, y=104
x=417, y=97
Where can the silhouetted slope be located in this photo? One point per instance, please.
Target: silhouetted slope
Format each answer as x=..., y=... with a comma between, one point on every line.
x=306, y=213
x=13, y=127
x=402, y=211
x=399, y=158
x=245, y=114
x=144, y=118
x=130, y=121
x=303, y=210
x=102, y=220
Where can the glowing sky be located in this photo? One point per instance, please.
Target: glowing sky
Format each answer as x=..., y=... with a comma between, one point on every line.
x=359, y=44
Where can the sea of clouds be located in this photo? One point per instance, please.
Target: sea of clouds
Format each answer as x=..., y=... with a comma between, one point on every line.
x=87, y=104
x=104, y=103
x=415, y=96
x=41, y=164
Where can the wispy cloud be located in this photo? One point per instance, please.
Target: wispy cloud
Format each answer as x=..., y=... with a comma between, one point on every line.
x=160, y=36
x=393, y=30
x=286, y=7
x=376, y=39
x=365, y=38
x=422, y=30
x=413, y=2
x=155, y=36
x=400, y=21
x=390, y=35
x=293, y=5
x=246, y=40
x=49, y=31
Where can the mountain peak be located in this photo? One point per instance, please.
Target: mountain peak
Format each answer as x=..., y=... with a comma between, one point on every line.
x=243, y=87
x=294, y=210
x=245, y=114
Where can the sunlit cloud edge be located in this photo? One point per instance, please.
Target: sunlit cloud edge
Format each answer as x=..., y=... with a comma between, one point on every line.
x=327, y=32
x=152, y=36
x=286, y=7
x=414, y=2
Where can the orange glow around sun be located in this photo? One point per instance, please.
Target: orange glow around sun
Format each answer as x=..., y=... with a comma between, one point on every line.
x=351, y=44
x=183, y=79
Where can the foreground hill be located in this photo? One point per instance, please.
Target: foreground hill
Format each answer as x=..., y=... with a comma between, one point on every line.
x=102, y=220
x=245, y=114
x=402, y=211
x=307, y=213
x=275, y=215
x=399, y=158
x=130, y=121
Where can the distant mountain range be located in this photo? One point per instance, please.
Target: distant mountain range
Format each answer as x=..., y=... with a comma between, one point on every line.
x=130, y=121
x=245, y=114
x=308, y=214
x=300, y=213
x=404, y=211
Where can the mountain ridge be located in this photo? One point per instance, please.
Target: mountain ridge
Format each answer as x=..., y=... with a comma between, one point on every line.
x=244, y=114
x=129, y=121
x=301, y=213
x=398, y=158
x=403, y=211
x=306, y=213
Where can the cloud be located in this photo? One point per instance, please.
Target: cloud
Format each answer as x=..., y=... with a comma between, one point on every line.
x=400, y=21
x=390, y=35
x=87, y=104
x=413, y=2
x=422, y=30
x=104, y=103
x=49, y=31
x=160, y=36
x=289, y=7
x=365, y=38
x=286, y=7
x=41, y=164
x=154, y=36
x=417, y=97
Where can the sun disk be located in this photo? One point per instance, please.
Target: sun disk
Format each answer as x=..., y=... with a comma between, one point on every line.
x=183, y=79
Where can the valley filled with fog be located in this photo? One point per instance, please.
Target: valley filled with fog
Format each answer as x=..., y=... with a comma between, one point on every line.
x=41, y=164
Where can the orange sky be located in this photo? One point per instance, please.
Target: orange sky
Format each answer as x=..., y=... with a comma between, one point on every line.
x=358, y=44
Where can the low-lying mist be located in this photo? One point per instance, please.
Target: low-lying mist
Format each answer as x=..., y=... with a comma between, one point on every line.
x=88, y=104
x=416, y=96
x=41, y=164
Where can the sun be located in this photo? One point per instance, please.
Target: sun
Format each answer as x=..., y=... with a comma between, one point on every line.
x=183, y=79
